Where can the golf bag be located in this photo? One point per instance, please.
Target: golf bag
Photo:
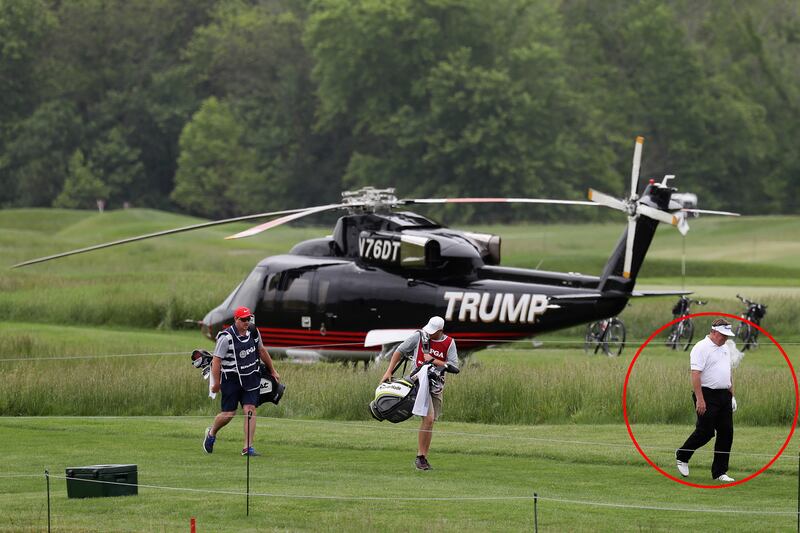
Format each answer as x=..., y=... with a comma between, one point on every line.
x=202, y=359
x=271, y=390
x=394, y=400
x=757, y=312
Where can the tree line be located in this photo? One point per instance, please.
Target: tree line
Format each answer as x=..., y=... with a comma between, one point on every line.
x=226, y=107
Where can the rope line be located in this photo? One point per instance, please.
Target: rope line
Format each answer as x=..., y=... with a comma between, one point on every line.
x=627, y=445
x=441, y=499
x=99, y=356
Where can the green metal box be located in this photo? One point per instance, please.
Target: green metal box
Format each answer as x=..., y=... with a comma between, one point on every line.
x=102, y=480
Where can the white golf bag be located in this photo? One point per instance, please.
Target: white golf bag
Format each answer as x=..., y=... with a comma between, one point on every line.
x=394, y=400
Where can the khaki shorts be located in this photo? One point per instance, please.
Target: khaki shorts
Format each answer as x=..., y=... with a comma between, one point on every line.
x=436, y=404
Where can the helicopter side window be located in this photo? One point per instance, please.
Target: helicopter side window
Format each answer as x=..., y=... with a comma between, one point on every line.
x=296, y=293
x=322, y=294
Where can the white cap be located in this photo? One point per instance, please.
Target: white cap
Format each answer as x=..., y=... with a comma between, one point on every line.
x=725, y=329
x=436, y=323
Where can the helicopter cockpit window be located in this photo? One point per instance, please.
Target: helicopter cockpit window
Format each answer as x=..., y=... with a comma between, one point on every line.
x=227, y=302
x=249, y=291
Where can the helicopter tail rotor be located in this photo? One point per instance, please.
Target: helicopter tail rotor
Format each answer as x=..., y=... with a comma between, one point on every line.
x=657, y=203
x=633, y=207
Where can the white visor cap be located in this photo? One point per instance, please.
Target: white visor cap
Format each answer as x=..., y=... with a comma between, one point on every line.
x=435, y=324
x=725, y=330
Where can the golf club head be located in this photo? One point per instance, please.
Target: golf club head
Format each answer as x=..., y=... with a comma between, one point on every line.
x=201, y=358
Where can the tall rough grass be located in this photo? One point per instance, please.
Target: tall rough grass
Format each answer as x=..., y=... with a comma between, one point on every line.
x=579, y=391
x=645, y=315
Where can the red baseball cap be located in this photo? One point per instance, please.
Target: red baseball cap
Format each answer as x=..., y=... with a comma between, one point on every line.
x=242, y=312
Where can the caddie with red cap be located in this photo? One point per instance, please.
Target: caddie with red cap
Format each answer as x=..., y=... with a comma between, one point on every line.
x=235, y=371
x=242, y=312
x=430, y=346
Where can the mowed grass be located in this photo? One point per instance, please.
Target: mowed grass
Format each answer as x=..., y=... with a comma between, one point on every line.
x=358, y=476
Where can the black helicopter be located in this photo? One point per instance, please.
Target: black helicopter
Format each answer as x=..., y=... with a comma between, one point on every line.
x=363, y=289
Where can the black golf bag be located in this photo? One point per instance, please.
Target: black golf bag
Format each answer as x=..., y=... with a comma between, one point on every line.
x=680, y=308
x=757, y=312
x=394, y=400
x=271, y=390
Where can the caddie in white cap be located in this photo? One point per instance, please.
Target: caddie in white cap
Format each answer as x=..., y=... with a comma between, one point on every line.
x=429, y=345
x=436, y=323
x=712, y=392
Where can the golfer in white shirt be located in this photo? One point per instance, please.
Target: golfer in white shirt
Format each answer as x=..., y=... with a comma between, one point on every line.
x=712, y=385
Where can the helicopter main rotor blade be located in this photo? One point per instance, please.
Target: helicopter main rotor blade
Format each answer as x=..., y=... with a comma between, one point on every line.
x=156, y=234
x=708, y=212
x=637, y=160
x=601, y=198
x=493, y=200
x=283, y=220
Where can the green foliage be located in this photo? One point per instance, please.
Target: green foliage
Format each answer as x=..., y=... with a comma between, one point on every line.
x=38, y=156
x=216, y=167
x=118, y=164
x=116, y=65
x=460, y=103
x=440, y=97
x=252, y=58
x=23, y=26
x=82, y=189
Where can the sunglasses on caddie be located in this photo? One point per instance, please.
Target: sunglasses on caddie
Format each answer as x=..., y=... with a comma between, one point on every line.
x=245, y=319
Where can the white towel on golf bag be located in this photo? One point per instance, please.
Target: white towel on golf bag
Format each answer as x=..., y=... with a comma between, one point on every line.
x=210, y=377
x=423, y=402
x=736, y=355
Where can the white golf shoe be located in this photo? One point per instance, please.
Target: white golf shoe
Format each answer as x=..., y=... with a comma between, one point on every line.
x=726, y=478
x=683, y=468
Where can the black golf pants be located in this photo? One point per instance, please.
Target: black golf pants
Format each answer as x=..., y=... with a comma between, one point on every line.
x=717, y=418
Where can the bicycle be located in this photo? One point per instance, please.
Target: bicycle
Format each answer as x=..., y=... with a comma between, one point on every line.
x=746, y=333
x=608, y=334
x=682, y=332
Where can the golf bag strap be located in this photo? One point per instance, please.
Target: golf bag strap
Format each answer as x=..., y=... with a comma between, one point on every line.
x=404, y=362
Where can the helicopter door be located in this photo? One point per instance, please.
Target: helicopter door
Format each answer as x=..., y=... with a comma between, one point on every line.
x=293, y=299
x=326, y=299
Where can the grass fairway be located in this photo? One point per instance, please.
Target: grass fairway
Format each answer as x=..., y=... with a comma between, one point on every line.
x=357, y=476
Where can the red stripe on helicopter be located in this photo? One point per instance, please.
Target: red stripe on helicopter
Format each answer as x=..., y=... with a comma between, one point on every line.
x=360, y=336
x=282, y=337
